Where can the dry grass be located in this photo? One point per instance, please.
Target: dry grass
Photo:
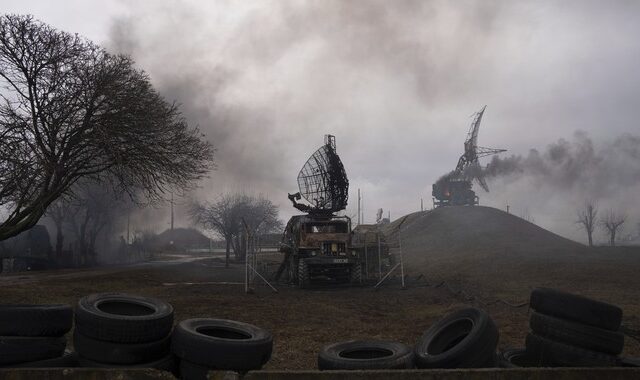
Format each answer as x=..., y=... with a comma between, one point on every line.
x=485, y=266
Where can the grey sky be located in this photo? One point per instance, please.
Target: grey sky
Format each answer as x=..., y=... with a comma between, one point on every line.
x=395, y=81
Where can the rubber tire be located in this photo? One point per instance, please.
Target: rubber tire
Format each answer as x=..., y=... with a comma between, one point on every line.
x=218, y=352
x=68, y=360
x=167, y=363
x=577, y=334
x=556, y=354
x=95, y=323
x=35, y=320
x=28, y=349
x=471, y=349
x=303, y=275
x=629, y=362
x=192, y=371
x=355, y=274
x=576, y=308
x=120, y=353
x=331, y=356
x=515, y=358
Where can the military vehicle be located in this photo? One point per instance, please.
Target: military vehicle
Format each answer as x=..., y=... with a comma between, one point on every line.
x=317, y=245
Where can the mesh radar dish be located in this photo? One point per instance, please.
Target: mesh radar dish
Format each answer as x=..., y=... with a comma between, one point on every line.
x=323, y=181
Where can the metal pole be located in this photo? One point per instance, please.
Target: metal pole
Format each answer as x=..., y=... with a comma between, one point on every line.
x=386, y=275
x=379, y=259
x=263, y=279
x=358, y=206
x=366, y=258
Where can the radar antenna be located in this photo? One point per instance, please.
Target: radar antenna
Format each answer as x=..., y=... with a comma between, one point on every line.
x=322, y=181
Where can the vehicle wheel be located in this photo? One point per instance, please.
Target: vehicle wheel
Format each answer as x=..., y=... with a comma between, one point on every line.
x=551, y=353
x=576, y=308
x=577, y=334
x=15, y=349
x=292, y=271
x=68, y=360
x=123, y=318
x=120, y=353
x=356, y=274
x=515, y=358
x=35, y=320
x=222, y=344
x=303, y=274
x=167, y=363
x=192, y=371
x=365, y=355
x=464, y=339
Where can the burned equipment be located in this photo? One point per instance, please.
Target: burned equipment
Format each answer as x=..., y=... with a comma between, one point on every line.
x=455, y=188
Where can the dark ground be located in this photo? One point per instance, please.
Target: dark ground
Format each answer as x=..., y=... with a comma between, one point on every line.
x=489, y=267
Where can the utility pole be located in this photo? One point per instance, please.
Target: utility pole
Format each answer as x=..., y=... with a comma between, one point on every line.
x=421, y=204
x=358, y=206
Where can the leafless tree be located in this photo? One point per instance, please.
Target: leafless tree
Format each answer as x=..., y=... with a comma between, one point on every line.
x=225, y=216
x=70, y=110
x=587, y=217
x=611, y=223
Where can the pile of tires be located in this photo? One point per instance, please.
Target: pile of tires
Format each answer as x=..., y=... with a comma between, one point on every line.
x=204, y=344
x=34, y=336
x=364, y=355
x=116, y=330
x=568, y=330
x=466, y=338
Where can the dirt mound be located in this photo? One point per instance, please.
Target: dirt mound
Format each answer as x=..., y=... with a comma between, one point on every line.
x=450, y=231
x=489, y=248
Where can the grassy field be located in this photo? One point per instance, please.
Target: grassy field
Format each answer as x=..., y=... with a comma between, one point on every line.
x=302, y=321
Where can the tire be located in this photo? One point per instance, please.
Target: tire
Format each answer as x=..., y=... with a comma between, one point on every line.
x=303, y=274
x=362, y=355
x=577, y=334
x=120, y=353
x=192, y=371
x=167, y=363
x=123, y=318
x=515, y=358
x=68, y=360
x=550, y=353
x=355, y=274
x=28, y=349
x=576, y=308
x=464, y=339
x=222, y=344
x=35, y=320
x=629, y=362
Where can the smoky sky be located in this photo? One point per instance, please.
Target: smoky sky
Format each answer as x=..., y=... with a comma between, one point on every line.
x=396, y=83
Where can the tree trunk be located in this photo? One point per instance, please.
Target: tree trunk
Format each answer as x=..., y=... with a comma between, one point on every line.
x=590, y=239
x=228, y=251
x=613, y=238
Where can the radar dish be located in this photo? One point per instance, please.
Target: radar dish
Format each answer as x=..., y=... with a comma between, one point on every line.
x=323, y=181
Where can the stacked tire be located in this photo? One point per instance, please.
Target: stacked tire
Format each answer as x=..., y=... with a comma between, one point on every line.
x=568, y=330
x=33, y=336
x=116, y=330
x=204, y=344
x=466, y=338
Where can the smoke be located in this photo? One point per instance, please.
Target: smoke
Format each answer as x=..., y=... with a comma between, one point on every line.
x=264, y=81
x=553, y=183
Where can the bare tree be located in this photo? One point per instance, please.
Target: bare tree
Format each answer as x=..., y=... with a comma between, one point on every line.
x=70, y=110
x=225, y=216
x=611, y=223
x=587, y=216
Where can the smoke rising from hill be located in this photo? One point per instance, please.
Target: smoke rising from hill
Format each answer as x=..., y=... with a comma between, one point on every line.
x=553, y=183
